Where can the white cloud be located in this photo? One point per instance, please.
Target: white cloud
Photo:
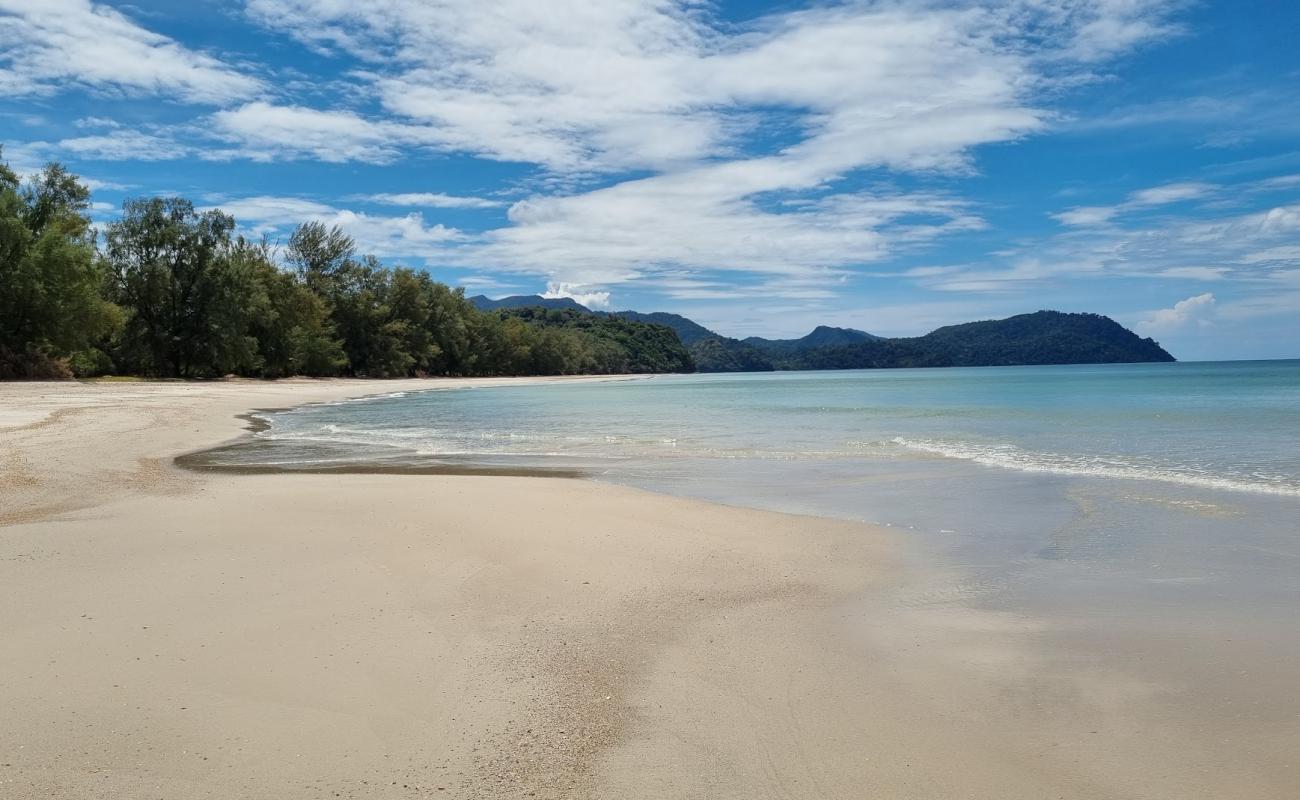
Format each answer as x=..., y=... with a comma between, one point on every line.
x=430, y=200
x=123, y=145
x=908, y=84
x=96, y=185
x=406, y=236
x=97, y=122
x=694, y=221
x=262, y=131
x=1192, y=310
x=114, y=144
x=1082, y=216
x=589, y=89
x=743, y=137
x=525, y=81
x=486, y=283
x=1282, y=255
x=1253, y=258
x=1193, y=110
x=25, y=158
x=47, y=46
x=1195, y=273
x=1087, y=215
x=1279, y=183
x=583, y=295
x=1168, y=193
x=1101, y=29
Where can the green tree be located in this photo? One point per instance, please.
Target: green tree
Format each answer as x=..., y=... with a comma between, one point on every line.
x=392, y=321
x=187, y=295
x=600, y=343
x=53, y=317
x=451, y=321
x=290, y=323
x=374, y=338
x=321, y=256
x=188, y=298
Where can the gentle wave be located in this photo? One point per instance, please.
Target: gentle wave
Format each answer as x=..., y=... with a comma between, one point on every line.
x=1010, y=457
x=457, y=442
x=348, y=401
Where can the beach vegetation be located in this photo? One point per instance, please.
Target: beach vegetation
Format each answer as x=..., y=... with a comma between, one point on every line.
x=54, y=315
x=174, y=291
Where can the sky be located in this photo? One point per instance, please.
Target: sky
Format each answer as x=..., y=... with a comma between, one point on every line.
x=760, y=167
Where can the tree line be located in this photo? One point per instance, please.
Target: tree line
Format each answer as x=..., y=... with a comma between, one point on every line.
x=175, y=291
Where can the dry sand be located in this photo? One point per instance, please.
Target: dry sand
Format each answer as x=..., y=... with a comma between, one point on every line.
x=169, y=634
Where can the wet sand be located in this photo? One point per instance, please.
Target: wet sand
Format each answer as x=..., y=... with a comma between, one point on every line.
x=180, y=634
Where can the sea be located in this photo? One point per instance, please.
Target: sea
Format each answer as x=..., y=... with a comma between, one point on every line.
x=1126, y=508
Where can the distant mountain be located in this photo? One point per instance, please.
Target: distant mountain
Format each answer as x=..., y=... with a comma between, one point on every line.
x=1047, y=337
x=613, y=345
x=821, y=336
x=485, y=303
x=720, y=354
x=1043, y=337
x=710, y=351
x=687, y=330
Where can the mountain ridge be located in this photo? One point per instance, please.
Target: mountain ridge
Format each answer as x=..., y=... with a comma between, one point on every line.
x=1041, y=337
x=484, y=303
x=821, y=336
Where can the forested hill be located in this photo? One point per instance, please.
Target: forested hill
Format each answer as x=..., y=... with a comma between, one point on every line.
x=485, y=303
x=687, y=330
x=821, y=336
x=1044, y=337
x=610, y=344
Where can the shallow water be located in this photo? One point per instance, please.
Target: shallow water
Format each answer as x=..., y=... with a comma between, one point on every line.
x=1143, y=520
x=1191, y=468
x=1228, y=425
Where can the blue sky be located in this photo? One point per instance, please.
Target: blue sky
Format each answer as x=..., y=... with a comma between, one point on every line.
x=759, y=167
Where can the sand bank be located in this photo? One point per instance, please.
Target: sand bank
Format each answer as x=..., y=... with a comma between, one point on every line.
x=172, y=634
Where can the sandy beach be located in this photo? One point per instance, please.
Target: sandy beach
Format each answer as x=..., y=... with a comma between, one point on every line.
x=173, y=634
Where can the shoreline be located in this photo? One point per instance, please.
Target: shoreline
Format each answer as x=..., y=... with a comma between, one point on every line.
x=200, y=634
x=522, y=636
x=203, y=460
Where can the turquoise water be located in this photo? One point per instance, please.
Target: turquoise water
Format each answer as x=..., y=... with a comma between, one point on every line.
x=1232, y=425
x=1184, y=476
x=1044, y=485
x=1100, y=526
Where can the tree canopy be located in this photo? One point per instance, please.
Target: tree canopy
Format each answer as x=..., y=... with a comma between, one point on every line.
x=54, y=313
x=175, y=291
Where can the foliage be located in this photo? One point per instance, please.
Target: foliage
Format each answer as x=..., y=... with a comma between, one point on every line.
x=572, y=341
x=291, y=323
x=176, y=293
x=687, y=330
x=53, y=315
x=718, y=354
x=187, y=292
